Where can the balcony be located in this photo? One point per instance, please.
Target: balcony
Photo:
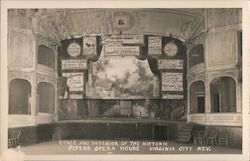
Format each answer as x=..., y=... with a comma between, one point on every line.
x=223, y=119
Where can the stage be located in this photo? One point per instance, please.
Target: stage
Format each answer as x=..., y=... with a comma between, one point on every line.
x=111, y=128
x=122, y=120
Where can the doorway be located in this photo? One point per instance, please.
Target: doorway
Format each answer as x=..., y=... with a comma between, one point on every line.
x=161, y=132
x=216, y=102
x=201, y=104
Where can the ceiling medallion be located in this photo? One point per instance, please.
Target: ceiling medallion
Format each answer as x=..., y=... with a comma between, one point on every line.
x=124, y=20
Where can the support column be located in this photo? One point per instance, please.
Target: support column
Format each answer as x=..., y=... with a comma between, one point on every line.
x=56, y=105
x=238, y=97
x=34, y=89
x=56, y=85
x=207, y=98
x=33, y=97
x=33, y=100
x=188, y=102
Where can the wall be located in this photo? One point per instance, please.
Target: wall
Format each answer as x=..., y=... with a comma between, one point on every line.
x=223, y=17
x=222, y=49
x=221, y=40
x=21, y=49
x=23, y=42
x=222, y=59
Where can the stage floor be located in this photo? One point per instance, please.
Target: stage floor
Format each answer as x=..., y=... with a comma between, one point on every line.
x=121, y=120
x=96, y=147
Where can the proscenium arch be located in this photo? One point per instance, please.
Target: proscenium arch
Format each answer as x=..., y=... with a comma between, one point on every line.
x=191, y=21
x=223, y=94
x=46, y=94
x=19, y=96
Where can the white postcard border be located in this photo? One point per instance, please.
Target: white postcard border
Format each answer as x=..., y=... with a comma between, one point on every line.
x=129, y=4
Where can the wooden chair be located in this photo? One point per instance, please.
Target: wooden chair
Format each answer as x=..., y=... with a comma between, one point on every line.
x=201, y=139
x=223, y=139
x=57, y=134
x=212, y=138
x=13, y=140
x=195, y=134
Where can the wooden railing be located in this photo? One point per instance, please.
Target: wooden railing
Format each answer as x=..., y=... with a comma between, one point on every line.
x=44, y=118
x=21, y=120
x=29, y=120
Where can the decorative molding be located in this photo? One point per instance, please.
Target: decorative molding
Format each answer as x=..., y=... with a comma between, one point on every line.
x=20, y=75
x=223, y=119
x=42, y=40
x=125, y=21
x=225, y=28
x=21, y=30
x=43, y=118
x=21, y=48
x=196, y=77
x=233, y=73
x=197, y=118
x=14, y=68
x=221, y=50
x=59, y=24
x=223, y=17
x=44, y=78
x=21, y=120
x=47, y=71
x=50, y=24
x=193, y=41
x=196, y=69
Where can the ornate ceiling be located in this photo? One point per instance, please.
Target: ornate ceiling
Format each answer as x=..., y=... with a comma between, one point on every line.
x=60, y=24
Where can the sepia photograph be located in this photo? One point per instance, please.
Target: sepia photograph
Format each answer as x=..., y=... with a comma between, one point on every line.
x=115, y=81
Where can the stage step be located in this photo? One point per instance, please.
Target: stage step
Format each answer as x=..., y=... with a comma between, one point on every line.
x=184, y=134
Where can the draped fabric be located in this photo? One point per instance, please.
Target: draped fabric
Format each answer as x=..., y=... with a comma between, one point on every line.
x=153, y=64
x=99, y=50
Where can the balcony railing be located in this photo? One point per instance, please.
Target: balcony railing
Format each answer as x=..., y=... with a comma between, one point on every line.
x=223, y=119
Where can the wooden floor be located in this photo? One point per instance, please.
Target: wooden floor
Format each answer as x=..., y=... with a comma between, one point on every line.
x=96, y=147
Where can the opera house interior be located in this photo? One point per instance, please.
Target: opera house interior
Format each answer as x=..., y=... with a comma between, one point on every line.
x=141, y=74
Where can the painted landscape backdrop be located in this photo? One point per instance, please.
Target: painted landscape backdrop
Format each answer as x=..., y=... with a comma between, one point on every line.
x=117, y=77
